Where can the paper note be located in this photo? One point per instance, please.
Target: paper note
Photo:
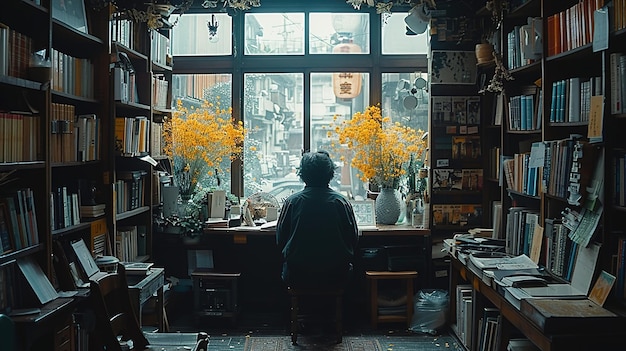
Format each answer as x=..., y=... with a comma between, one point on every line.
x=600, y=29
x=535, y=248
x=602, y=288
x=596, y=115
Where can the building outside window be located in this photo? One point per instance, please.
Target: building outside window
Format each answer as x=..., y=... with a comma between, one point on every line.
x=290, y=75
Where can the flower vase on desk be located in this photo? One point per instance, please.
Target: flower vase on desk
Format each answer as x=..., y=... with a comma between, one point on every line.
x=388, y=206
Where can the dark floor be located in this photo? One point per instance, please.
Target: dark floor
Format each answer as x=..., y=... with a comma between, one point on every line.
x=264, y=320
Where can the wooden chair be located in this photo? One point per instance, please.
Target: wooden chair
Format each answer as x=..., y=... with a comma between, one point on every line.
x=117, y=325
x=297, y=293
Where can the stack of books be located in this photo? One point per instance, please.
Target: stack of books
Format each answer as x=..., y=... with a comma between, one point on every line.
x=92, y=211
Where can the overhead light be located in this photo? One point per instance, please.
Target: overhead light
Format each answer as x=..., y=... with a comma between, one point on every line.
x=212, y=27
x=417, y=20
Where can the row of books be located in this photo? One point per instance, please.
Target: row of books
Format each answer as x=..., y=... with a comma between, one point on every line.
x=464, y=315
x=15, y=51
x=617, y=62
x=524, y=44
x=560, y=251
x=74, y=138
x=521, y=173
x=160, y=92
x=132, y=135
x=130, y=190
x=573, y=27
x=130, y=243
x=157, y=142
x=65, y=208
x=125, y=83
x=620, y=281
x=619, y=179
x=20, y=139
x=457, y=179
x=159, y=48
x=124, y=32
x=524, y=111
x=489, y=329
x=492, y=167
x=18, y=221
x=571, y=98
x=568, y=161
x=520, y=230
x=72, y=75
x=456, y=110
x=619, y=14
x=457, y=214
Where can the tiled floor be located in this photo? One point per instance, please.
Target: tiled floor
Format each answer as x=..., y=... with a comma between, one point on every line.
x=273, y=321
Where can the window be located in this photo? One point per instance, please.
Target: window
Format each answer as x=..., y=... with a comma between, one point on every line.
x=273, y=115
x=293, y=73
x=274, y=34
x=194, y=37
x=391, y=27
x=339, y=33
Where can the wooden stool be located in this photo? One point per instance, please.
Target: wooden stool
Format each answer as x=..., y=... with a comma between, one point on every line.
x=374, y=276
x=297, y=293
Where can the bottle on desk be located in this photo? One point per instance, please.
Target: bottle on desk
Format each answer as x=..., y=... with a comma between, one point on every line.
x=417, y=217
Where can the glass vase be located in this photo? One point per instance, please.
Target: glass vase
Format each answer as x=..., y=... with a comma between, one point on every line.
x=388, y=206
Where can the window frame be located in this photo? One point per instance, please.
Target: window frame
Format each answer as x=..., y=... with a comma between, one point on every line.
x=239, y=64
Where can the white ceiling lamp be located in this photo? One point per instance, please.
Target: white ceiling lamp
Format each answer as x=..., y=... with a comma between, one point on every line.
x=418, y=18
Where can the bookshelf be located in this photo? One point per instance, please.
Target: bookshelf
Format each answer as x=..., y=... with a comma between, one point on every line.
x=48, y=71
x=456, y=129
x=548, y=169
x=141, y=82
x=59, y=163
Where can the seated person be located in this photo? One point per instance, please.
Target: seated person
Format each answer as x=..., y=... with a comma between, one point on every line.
x=316, y=230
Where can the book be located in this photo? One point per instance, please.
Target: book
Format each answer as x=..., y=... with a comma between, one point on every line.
x=5, y=236
x=565, y=315
x=137, y=268
x=602, y=288
x=37, y=280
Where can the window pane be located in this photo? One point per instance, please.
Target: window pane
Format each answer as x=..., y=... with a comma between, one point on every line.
x=274, y=34
x=325, y=105
x=191, y=35
x=191, y=90
x=339, y=33
x=273, y=117
x=395, y=40
x=405, y=99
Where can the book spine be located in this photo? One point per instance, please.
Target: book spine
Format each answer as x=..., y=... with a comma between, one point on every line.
x=616, y=104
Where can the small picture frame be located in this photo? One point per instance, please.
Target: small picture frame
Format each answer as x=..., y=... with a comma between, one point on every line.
x=72, y=13
x=365, y=212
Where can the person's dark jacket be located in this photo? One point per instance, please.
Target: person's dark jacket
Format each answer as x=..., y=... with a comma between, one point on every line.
x=317, y=234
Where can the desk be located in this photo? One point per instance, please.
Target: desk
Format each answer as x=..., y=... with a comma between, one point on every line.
x=141, y=288
x=255, y=254
x=578, y=338
x=51, y=326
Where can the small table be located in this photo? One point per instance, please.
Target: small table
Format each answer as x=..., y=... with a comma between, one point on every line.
x=142, y=287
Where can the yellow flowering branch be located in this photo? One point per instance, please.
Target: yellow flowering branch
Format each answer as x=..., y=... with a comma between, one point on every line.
x=379, y=149
x=199, y=141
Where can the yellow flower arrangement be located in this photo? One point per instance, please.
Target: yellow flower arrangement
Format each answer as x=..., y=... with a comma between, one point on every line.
x=198, y=141
x=379, y=148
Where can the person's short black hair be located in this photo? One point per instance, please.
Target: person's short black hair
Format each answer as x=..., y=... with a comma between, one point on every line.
x=316, y=168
